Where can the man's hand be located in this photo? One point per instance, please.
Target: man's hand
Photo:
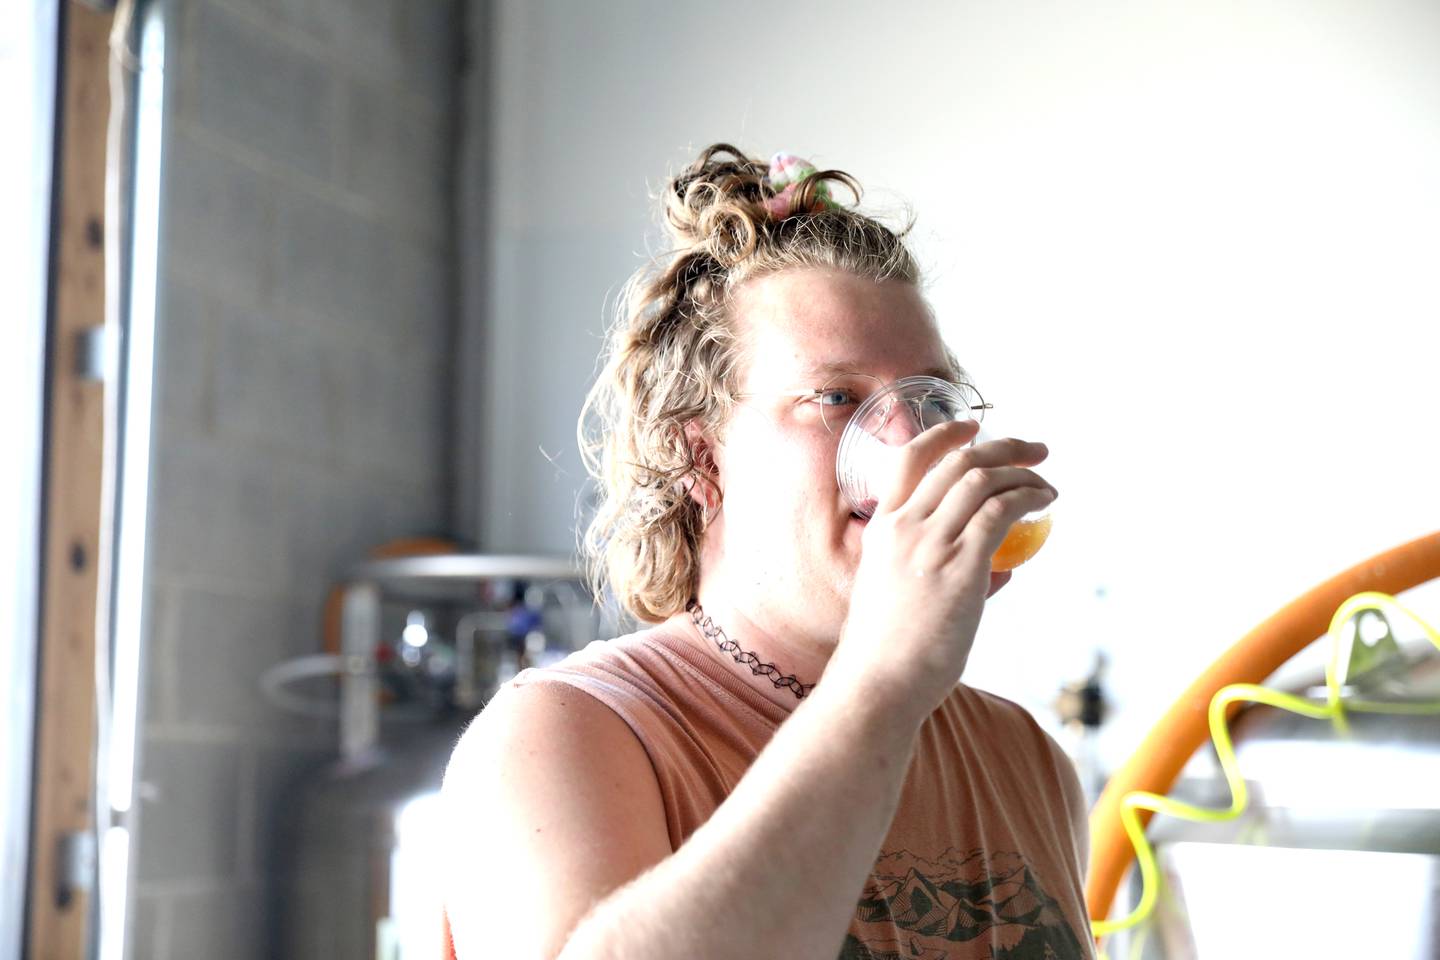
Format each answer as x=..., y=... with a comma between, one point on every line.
x=924, y=571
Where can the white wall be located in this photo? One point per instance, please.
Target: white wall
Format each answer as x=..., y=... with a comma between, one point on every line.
x=1190, y=247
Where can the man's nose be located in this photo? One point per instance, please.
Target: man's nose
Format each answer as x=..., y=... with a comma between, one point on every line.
x=901, y=425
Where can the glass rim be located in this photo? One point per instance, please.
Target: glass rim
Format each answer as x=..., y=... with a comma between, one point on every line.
x=957, y=389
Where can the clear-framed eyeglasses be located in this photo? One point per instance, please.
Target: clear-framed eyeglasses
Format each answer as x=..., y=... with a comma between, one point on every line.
x=841, y=396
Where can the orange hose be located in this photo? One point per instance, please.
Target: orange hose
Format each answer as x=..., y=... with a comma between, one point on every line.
x=1182, y=730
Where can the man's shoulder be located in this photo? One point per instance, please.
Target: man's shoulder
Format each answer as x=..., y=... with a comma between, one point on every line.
x=977, y=698
x=1011, y=720
x=626, y=653
x=633, y=673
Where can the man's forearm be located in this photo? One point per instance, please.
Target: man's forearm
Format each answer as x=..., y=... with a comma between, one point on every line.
x=779, y=867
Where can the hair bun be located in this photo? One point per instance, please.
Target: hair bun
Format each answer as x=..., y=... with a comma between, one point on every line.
x=718, y=202
x=724, y=200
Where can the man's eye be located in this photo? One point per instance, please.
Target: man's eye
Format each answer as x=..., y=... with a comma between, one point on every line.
x=940, y=407
x=835, y=398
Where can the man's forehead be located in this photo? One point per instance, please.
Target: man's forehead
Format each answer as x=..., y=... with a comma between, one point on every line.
x=835, y=368
x=810, y=324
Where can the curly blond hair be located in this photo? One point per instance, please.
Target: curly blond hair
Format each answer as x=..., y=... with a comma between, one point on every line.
x=672, y=356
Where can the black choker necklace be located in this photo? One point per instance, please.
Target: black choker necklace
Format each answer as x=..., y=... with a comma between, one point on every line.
x=711, y=631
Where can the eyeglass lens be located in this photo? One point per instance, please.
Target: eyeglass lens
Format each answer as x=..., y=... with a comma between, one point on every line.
x=841, y=397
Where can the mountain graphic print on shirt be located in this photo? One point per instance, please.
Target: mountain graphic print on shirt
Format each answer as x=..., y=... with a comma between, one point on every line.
x=958, y=898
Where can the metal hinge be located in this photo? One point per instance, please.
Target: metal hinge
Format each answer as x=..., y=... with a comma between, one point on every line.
x=74, y=867
x=92, y=355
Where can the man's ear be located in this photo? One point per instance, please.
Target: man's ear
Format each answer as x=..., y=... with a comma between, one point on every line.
x=703, y=449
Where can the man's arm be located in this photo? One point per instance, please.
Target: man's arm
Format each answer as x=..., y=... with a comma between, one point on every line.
x=564, y=848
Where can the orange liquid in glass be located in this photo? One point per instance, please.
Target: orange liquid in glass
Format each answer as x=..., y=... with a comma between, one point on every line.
x=1023, y=541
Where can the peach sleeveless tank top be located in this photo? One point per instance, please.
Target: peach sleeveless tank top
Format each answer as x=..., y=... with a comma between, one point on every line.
x=986, y=854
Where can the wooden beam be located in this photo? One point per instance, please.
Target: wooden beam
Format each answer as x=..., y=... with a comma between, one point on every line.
x=64, y=799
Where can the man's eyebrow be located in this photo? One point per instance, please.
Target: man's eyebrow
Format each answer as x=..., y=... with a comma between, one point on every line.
x=834, y=367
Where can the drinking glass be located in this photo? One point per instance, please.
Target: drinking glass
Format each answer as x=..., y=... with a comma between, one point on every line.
x=889, y=417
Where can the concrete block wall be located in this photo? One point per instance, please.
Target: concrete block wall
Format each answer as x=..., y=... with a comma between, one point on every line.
x=301, y=410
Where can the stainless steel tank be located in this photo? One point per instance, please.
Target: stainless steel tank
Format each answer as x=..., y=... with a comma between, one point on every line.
x=425, y=642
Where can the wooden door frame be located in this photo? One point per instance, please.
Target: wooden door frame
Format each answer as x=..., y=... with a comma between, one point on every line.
x=63, y=805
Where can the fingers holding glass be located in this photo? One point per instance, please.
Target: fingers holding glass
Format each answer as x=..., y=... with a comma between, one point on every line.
x=1024, y=534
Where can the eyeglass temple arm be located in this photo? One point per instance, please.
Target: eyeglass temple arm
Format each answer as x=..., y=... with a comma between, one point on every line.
x=812, y=392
